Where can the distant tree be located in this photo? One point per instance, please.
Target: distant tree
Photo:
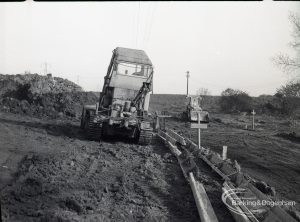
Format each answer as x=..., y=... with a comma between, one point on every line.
x=235, y=100
x=230, y=92
x=287, y=99
x=203, y=92
x=286, y=62
x=264, y=96
x=291, y=89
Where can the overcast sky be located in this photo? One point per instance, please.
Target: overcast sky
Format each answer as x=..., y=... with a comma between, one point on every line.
x=222, y=44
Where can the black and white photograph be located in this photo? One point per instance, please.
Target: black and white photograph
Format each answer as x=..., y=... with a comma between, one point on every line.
x=150, y=111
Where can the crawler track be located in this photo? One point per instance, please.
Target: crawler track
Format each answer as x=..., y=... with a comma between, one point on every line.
x=94, y=130
x=145, y=137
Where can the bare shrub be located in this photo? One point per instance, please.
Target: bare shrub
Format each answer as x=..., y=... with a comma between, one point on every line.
x=235, y=101
x=203, y=92
x=288, y=63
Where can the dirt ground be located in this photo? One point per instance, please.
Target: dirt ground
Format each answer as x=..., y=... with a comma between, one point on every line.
x=49, y=172
x=268, y=153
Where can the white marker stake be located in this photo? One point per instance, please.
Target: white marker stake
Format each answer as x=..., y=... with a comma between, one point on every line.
x=253, y=114
x=199, y=126
x=224, y=154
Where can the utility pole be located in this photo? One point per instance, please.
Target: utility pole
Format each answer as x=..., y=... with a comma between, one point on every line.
x=187, y=82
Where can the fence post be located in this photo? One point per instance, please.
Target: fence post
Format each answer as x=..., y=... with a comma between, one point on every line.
x=224, y=154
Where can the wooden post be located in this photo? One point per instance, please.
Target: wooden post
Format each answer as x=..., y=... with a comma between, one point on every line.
x=224, y=154
x=157, y=123
x=199, y=126
x=253, y=114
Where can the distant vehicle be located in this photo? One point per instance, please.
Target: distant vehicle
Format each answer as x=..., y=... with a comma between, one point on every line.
x=124, y=101
x=193, y=108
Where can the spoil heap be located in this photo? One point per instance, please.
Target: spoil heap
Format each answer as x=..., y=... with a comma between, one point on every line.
x=42, y=96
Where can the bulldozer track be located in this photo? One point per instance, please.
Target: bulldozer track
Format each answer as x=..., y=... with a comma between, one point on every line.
x=145, y=137
x=94, y=130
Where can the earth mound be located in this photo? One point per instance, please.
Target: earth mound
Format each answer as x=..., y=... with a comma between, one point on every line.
x=42, y=96
x=36, y=84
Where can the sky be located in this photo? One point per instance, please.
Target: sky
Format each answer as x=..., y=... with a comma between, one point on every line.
x=221, y=44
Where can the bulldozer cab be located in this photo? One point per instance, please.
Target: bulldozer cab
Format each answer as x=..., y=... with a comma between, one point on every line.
x=193, y=108
x=134, y=70
x=128, y=71
x=194, y=101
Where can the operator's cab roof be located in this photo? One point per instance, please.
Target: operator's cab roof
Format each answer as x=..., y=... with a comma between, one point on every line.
x=132, y=56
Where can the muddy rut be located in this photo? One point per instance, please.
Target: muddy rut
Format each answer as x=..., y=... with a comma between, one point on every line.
x=63, y=177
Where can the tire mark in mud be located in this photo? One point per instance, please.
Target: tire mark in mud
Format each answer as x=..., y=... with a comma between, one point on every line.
x=87, y=180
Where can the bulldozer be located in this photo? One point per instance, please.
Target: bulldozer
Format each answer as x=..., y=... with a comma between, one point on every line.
x=123, y=104
x=193, y=108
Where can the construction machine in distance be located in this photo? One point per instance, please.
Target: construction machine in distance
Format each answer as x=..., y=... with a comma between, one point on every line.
x=193, y=108
x=123, y=105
